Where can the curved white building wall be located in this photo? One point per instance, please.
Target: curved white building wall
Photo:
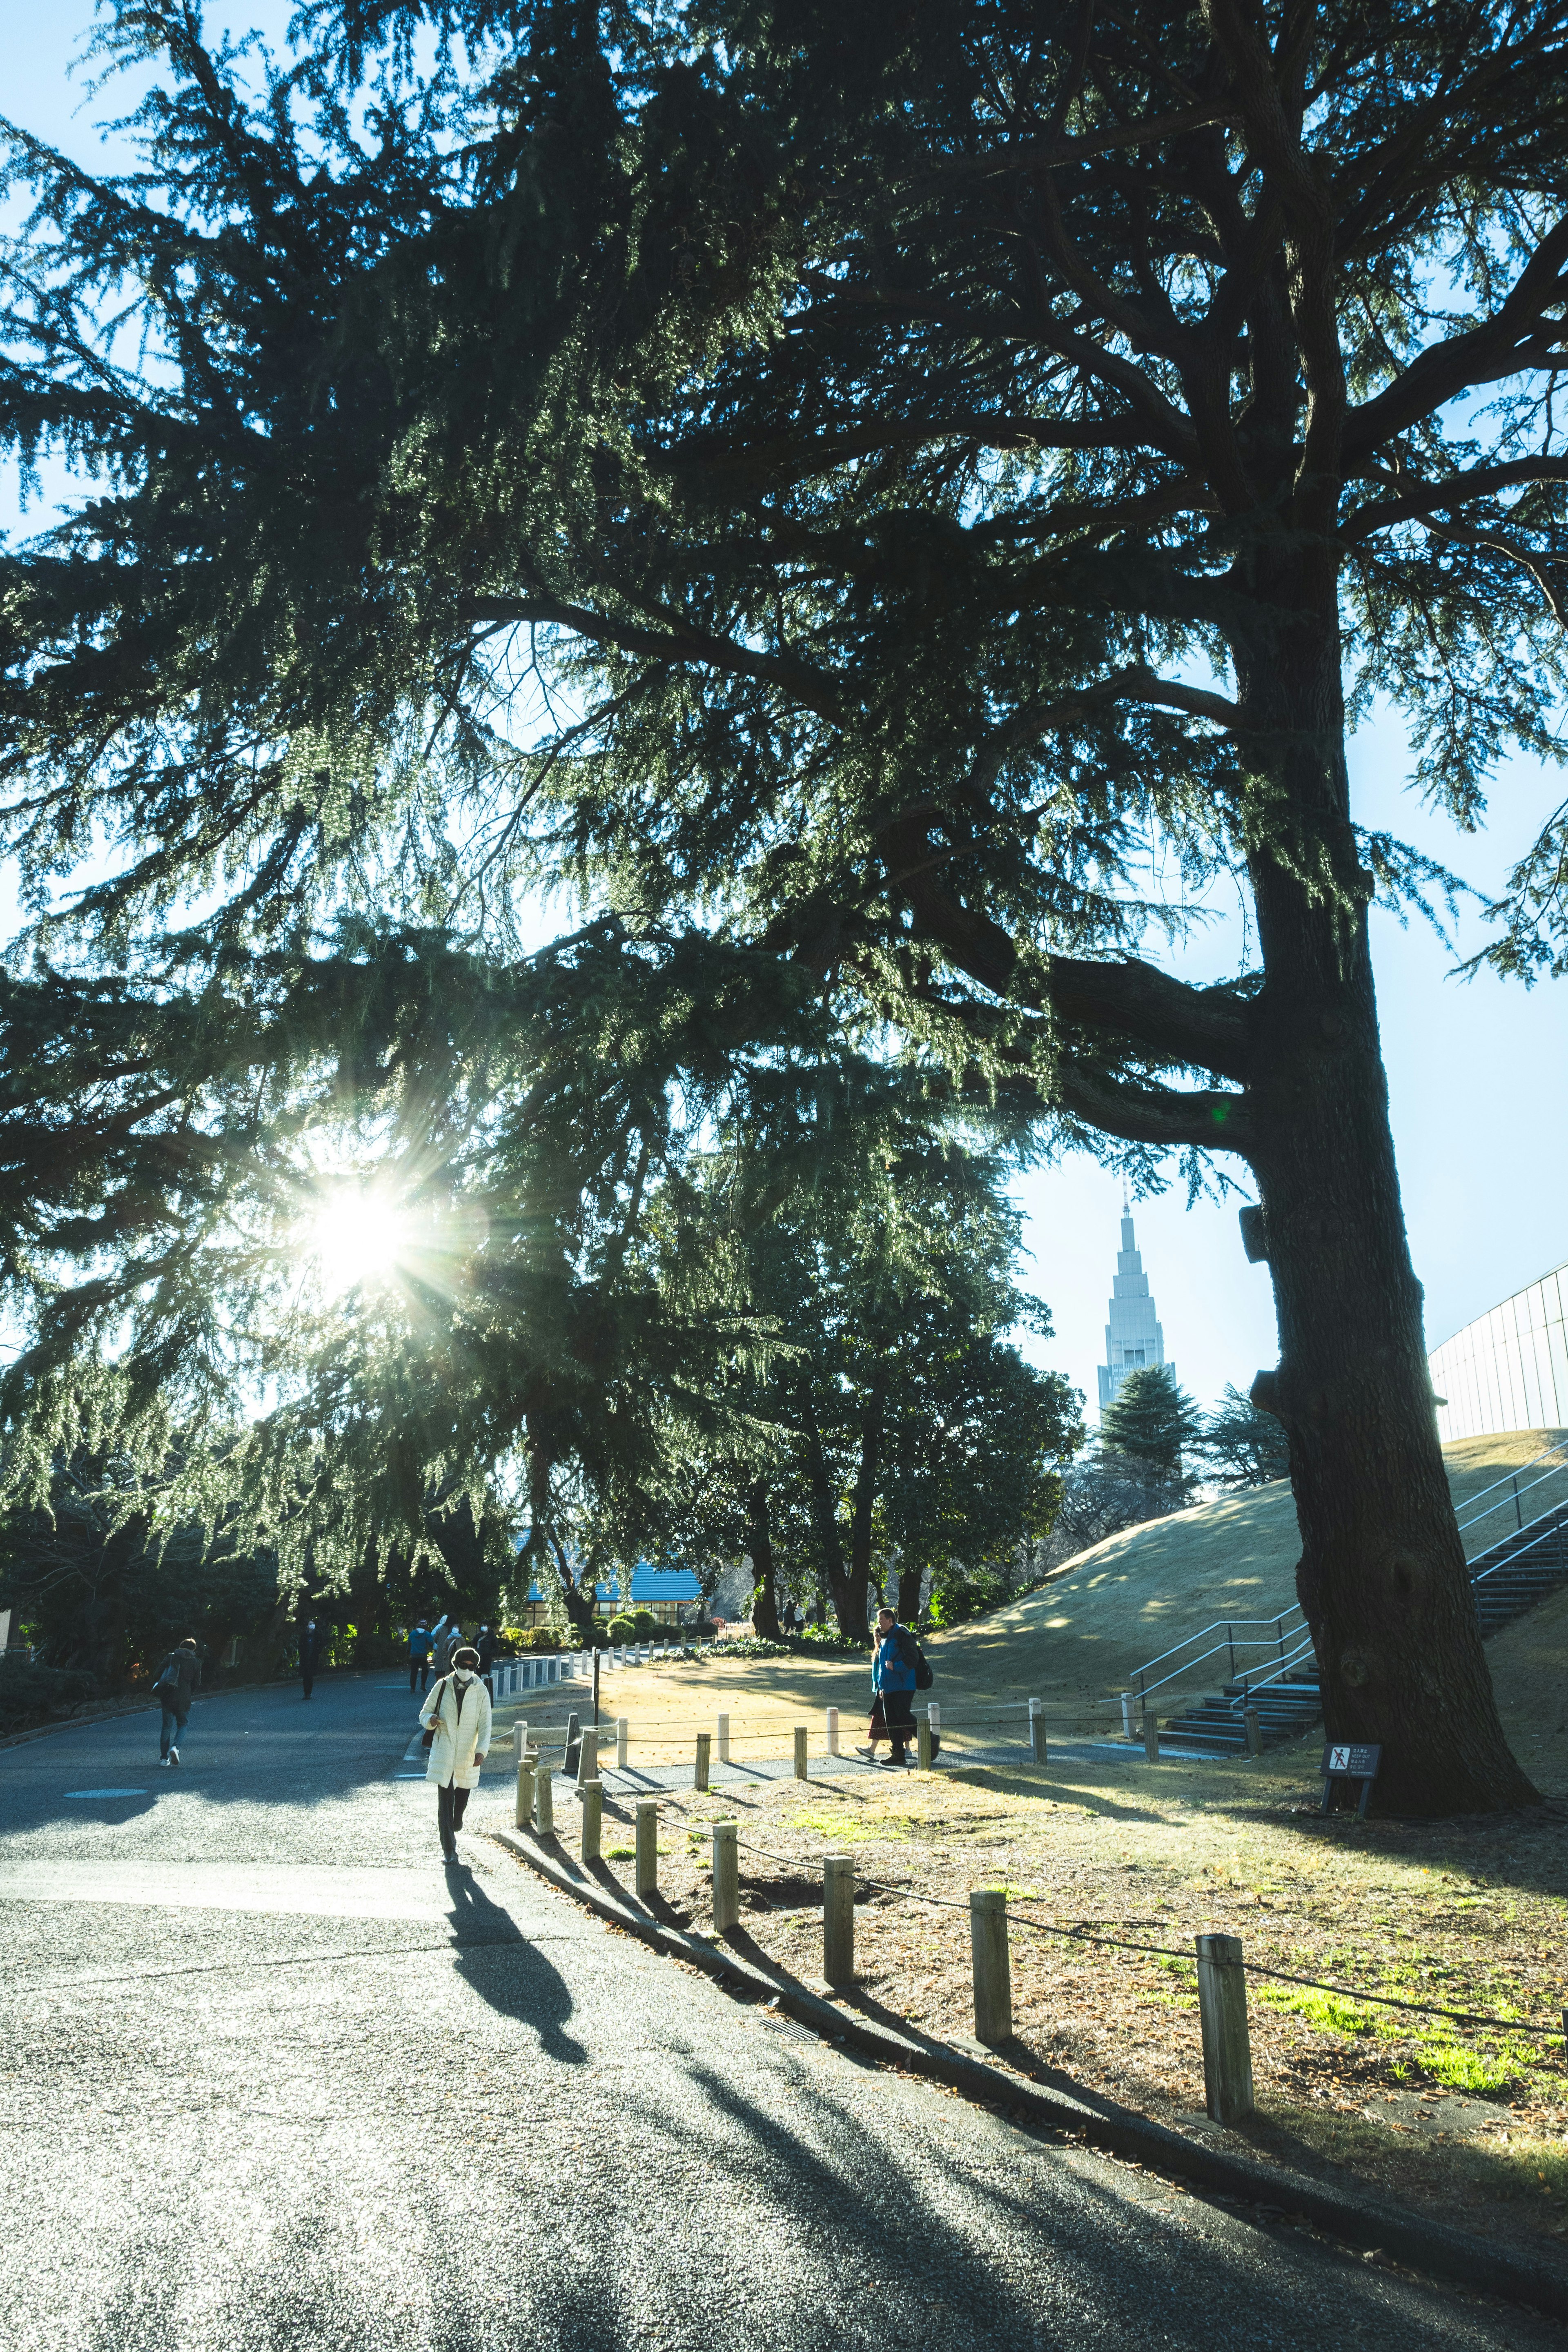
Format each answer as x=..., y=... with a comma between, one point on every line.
x=1508, y=1368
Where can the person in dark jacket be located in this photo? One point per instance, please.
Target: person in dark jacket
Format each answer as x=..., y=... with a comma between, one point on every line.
x=893, y=1690
x=486, y=1649
x=172, y=1684
x=420, y=1658
x=309, y=1648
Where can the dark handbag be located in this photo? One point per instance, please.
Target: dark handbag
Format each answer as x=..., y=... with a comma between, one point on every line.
x=429, y=1738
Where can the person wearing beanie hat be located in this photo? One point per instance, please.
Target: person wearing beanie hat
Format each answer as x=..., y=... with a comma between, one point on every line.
x=456, y=1717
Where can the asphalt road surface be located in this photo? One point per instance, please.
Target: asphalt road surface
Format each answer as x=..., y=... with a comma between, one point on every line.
x=275, y=2078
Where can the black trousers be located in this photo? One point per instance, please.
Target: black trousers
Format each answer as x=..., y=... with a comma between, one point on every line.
x=308, y=1674
x=419, y=1673
x=893, y=1720
x=451, y=1804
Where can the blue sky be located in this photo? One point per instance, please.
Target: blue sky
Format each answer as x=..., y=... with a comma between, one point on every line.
x=1475, y=1068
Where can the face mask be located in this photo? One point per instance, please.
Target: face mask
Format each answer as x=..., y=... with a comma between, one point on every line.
x=464, y=1677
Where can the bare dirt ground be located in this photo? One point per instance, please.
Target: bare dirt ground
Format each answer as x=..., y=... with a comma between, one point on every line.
x=1467, y=1915
x=1462, y=1916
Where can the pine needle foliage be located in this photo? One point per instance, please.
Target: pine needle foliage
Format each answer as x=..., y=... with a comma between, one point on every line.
x=882, y=489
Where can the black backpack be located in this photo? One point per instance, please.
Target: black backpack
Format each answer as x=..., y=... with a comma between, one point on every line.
x=913, y=1655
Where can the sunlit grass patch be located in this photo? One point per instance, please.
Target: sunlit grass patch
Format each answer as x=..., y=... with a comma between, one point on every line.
x=854, y=1832
x=1478, y=2067
x=1331, y=2013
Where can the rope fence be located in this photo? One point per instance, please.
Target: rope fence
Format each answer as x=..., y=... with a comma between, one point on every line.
x=1221, y=1965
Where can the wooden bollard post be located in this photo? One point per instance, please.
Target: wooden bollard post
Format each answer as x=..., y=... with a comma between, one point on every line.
x=623, y=1733
x=704, y=1743
x=800, y=1770
x=993, y=1974
x=1037, y=1731
x=1252, y=1727
x=544, y=1797
x=573, y=1745
x=593, y=1819
x=588, y=1756
x=838, y=1918
x=646, y=1866
x=726, y=1877
x=722, y=1728
x=1222, y=2012
x=1151, y=1734
x=525, y=1792
x=833, y=1731
x=922, y=1743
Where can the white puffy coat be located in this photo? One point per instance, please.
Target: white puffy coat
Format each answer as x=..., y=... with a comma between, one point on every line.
x=458, y=1738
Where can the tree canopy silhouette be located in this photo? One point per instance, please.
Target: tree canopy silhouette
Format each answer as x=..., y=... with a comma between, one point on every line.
x=867, y=484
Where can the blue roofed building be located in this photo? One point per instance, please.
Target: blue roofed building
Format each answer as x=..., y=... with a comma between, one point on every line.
x=669, y=1594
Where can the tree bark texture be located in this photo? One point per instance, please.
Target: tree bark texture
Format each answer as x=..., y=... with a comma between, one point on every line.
x=765, y=1599
x=1382, y=1579
x=845, y=1586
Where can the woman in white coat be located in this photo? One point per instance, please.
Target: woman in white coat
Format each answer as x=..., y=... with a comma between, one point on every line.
x=457, y=1711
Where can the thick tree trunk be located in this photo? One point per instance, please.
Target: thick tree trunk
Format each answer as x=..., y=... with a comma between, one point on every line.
x=867, y=1478
x=911, y=1576
x=847, y=1588
x=759, y=1543
x=1381, y=1577
x=579, y=1606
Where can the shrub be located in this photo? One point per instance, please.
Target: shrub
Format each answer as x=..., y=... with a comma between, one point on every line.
x=30, y=1694
x=620, y=1630
x=646, y=1626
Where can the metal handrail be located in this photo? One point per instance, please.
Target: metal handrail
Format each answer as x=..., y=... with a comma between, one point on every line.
x=1227, y=1625
x=1283, y=1632
x=1519, y=1551
x=1557, y=1455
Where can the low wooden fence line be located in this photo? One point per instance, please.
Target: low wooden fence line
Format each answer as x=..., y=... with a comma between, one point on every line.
x=1219, y=1960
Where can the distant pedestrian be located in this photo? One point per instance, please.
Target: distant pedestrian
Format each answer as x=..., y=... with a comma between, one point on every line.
x=172, y=1684
x=457, y=1712
x=309, y=1649
x=443, y=1638
x=486, y=1649
x=420, y=1658
x=893, y=1684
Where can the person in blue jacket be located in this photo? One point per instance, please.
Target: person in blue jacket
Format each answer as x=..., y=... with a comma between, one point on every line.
x=893, y=1688
x=418, y=1657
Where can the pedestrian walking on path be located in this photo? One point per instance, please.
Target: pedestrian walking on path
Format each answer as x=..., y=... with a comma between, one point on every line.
x=310, y=1644
x=444, y=1636
x=418, y=1659
x=457, y=1714
x=895, y=1666
x=486, y=1648
x=172, y=1684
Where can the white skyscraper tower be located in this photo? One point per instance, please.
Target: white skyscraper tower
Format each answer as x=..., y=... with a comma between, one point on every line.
x=1133, y=1340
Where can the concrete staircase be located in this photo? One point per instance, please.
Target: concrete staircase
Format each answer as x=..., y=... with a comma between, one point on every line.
x=1510, y=1577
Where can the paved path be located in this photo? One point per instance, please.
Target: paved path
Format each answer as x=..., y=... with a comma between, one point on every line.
x=276, y=2081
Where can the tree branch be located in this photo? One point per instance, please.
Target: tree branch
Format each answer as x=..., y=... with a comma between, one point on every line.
x=1209, y=1120
x=1481, y=355
x=1427, y=498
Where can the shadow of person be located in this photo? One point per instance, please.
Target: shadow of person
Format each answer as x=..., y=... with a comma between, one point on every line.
x=505, y=1970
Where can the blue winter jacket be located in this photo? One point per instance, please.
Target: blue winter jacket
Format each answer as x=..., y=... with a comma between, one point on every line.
x=889, y=1670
